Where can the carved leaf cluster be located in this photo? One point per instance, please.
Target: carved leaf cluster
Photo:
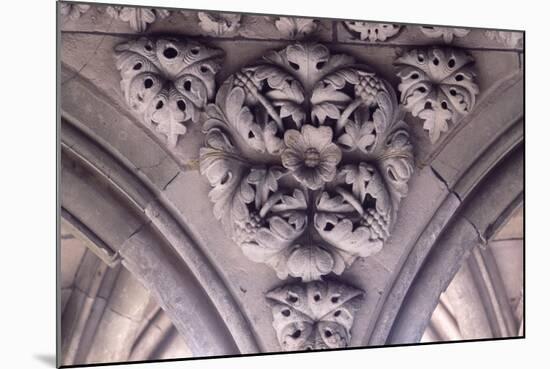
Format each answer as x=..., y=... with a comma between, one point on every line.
x=138, y=18
x=219, y=24
x=372, y=31
x=511, y=39
x=448, y=33
x=316, y=315
x=306, y=185
x=73, y=11
x=167, y=81
x=296, y=28
x=438, y=86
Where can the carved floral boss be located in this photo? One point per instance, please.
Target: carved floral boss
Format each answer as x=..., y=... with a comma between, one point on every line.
x=308, y=157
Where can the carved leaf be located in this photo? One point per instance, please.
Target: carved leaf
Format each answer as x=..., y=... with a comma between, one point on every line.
x=219, y=24
x=167, y=81
x=73, y=11
x=296, y=28
x=437, y=85
x=138, y=18
x=511, y=39
x=448, y=33
x=316, y=315
x=373, y=31
x=359, y=133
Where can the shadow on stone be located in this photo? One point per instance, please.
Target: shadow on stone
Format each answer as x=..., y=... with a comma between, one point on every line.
x=48, y=359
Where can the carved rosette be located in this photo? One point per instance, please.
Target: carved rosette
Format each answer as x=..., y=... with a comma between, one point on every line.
x=372, y=31
x=167, y=81
x=308, y=157
x=448, y=33
x=437, y=85
x=315, y=315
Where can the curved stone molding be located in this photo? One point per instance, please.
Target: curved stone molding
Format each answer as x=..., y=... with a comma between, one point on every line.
x=511, y=39
x=72, y=11
x=138, y=18
x=296, y=28
x=218, y=24
x=308, y=157
x=448, y=33
x=167, y=81
x=315, y=315
x=438, y=86
x=373, y=31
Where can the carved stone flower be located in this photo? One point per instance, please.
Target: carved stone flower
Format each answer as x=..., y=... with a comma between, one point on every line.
x=311, y=155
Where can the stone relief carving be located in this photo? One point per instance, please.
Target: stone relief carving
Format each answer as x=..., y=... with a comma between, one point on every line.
x=508, y=38
x=437, y=85
x=308, y=157
x=315, y=315
x=373, y=31
x=138, y=18
x=295, y=28
x=167, y=81
x=218, y=24
x=448, y=33
x=73, y=11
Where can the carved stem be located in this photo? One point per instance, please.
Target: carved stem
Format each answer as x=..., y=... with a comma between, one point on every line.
x=346, y=113
x=351, y=200
x=265, y=103
x=270, y=202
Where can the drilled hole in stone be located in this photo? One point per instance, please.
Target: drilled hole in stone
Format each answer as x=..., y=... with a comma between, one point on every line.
x=148, y=47
x=320, y=65
x=422, y=89
x=170, y=53
x=420, y=58
x=148, y=83
x=251, y=134
x=444, y=104
x=435, y=61
x=334, y=299
x=337, y=313
x=414, y=76
x=181, y=105
x=292, y=299
x=428, y=105
x=285, y=312
x=224, y=179
x=137, y=66
x=203, y=69
x=328, y=227
x=297, y=333
x=459, y=77
x=187, y=85
x=453, y=92
x=317, y=297
x=294, y=65
x=451, y=63
x=328, y=334
x=159, y=105
x=195, y=51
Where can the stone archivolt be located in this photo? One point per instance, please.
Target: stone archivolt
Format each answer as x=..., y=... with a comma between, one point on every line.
x=437, y=85
x=167, y=81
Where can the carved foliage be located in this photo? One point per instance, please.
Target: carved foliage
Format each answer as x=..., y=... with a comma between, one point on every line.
x=448, y=33
x=308, y=157
x=73, y=11
x=373, y=31
x=138, y=18
x=316, y=315
x=438, y=86
x=167, y=81
x=296, y=28
x=218, y=24
x=511, y=39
